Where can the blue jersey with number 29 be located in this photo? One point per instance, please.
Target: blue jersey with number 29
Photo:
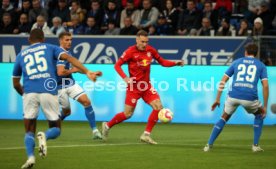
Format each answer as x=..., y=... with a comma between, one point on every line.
x=246, y=73
x=37, y=64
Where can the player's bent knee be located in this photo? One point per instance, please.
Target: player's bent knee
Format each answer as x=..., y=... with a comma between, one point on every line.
x=128, y=114
x=225, y=116
x=86, y=103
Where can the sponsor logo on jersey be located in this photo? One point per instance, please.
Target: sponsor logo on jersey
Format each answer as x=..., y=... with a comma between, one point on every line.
x=144, y=62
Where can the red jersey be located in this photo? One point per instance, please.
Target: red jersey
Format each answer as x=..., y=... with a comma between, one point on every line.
x=139, y=63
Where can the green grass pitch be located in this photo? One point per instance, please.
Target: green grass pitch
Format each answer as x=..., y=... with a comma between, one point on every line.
x=180, y=147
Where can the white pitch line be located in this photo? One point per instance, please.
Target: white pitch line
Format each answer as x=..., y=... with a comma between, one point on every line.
x=127, y=144
x=71, y=146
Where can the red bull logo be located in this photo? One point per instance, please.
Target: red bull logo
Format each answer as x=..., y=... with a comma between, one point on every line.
x=144, y=62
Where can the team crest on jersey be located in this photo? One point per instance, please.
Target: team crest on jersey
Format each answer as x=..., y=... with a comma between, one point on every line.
x=149, y=54
x=133, y=100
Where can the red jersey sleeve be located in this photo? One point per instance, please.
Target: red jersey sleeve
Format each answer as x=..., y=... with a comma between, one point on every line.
x=162, y=61
x=124, y=58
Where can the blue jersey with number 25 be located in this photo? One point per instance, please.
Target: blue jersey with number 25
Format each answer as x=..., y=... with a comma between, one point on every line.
x=37, y=64
x=246, y=73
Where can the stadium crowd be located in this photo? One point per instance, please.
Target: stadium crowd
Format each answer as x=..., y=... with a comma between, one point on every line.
x=126, y=17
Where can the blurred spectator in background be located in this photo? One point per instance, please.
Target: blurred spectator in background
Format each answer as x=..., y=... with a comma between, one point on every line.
x=96, y=12
x=162, y=27
x=136, y=3
x=24, y=26
x=25, y=8
x=111, y=14
x=57, y=27
x=76, y=12
x=224, y=8
x=149, y=15
x=6, y=26
x=244, y=28
x=7, y=7
x=36, y=11
x=255, y=5
x=131, y=12
x=171, y=14
x=266, y=16
x=42, y=24
x=206, y=28
x=62, y=11
x=242, y=8
x=258, y=29
x=208, y=12
x=226, y=29
x=91, y=27
x=75, y=27
x=112, y=29
x=152, y=31
x=189, y=20
x=129, y=28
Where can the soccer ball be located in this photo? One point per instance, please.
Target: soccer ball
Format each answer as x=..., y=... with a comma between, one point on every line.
x=273, y=108
x=165, y=115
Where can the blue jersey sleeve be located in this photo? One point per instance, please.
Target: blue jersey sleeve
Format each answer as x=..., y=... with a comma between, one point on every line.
x=61, y=63
x=58, y=51
x=230, y=71
x=263, y=73
x=17, y=69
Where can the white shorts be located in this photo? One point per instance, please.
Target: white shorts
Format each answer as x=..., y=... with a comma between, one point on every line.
x=73, y=92
x=231, y=104
x=48, y=103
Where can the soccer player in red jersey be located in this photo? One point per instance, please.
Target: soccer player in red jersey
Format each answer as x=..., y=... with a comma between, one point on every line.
x=139, y=58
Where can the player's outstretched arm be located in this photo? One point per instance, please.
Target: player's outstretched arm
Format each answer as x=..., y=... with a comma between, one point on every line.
x=168, y=63
x=220, y=90
x=75, y=62
x=61, y=71
x=265, y=95
x=17, y=85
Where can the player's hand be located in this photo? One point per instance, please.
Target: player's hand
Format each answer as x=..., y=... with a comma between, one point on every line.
x=216, y=104
x=92, y=76
x=263, y=112
x=128, y=80
x=179, y=63
x=98, y=73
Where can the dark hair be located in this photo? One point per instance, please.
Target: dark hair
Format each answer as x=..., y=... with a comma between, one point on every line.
x=6, y=14
x=141, y=33
x=36, y=35
x=62, y=34
x=251, y=49
x=75, y=1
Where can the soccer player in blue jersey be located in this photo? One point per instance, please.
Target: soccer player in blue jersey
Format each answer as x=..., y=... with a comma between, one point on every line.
x=246, y=73
x=37, y=65
x=68, y=88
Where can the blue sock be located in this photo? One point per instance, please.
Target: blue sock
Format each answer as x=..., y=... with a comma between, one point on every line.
x=52, y=133
x=216, y=131
x=29, y=143
x=258, y=126
x=90, y=115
